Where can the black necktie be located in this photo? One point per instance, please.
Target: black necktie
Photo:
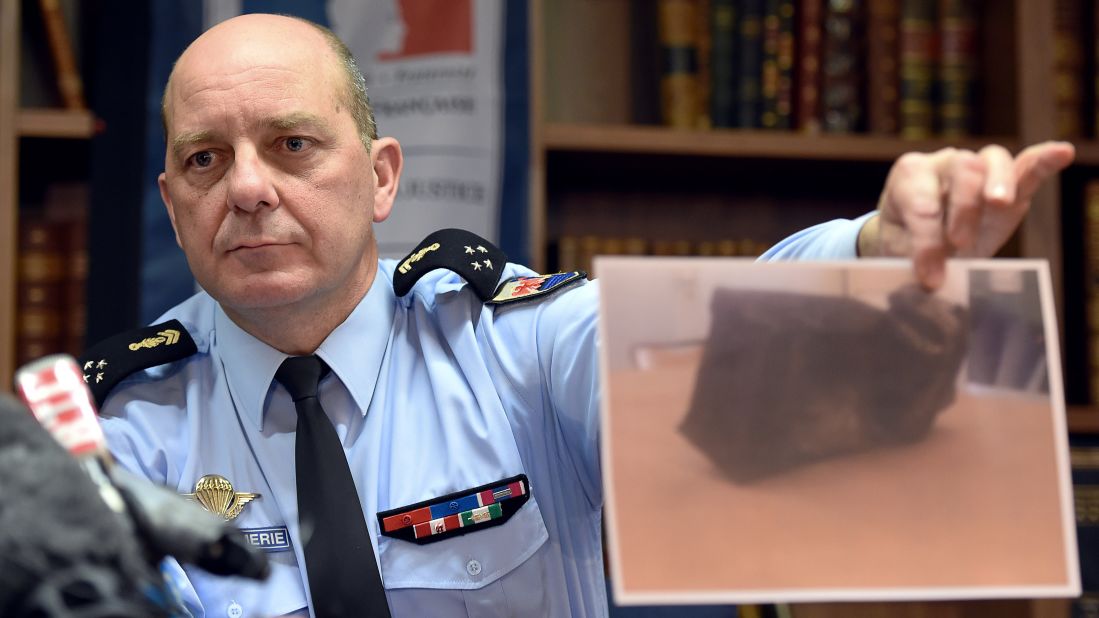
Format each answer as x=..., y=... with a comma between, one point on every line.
x=339, y=557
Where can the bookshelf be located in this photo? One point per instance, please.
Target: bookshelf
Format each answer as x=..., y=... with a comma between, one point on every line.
x=596, y=158
x=17, y=123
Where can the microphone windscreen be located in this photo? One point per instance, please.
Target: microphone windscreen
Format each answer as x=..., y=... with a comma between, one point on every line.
x=63, y=552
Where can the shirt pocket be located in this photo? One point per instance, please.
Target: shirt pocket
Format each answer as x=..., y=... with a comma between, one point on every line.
x=495, y=571
x=239, y=597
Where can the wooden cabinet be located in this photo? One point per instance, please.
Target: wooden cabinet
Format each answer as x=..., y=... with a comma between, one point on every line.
x=16, y=124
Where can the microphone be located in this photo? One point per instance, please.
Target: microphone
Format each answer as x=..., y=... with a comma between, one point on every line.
x=63, y=551
x=168, y=524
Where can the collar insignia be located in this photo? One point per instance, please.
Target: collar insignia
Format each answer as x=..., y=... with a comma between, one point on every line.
x=215, y=493
x=168, y=337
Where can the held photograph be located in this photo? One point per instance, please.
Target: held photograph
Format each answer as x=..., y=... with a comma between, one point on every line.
x=832, y=431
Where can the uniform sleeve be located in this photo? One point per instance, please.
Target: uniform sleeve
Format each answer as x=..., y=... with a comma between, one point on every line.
x=833, y=240
x=568, y=353
x=548, y=352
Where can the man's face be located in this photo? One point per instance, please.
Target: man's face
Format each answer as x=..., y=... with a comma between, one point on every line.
x=270, y=191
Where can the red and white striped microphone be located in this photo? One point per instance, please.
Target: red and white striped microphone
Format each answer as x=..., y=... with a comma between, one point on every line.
x=53, y=388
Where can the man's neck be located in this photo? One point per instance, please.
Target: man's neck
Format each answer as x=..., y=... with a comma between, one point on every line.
x=299, y=329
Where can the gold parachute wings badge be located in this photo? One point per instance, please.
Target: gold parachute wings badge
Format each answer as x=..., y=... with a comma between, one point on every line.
x=215, y=493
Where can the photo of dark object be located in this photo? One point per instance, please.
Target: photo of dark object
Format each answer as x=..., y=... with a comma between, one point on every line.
x=860, y=377
x=821, y=432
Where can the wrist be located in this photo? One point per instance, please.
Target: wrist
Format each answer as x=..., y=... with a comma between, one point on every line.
x=867, y=242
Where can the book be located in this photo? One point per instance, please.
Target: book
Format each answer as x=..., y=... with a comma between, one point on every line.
x=66, y=205
x=704, y=44
x=722, y=62
x=40, y=288
x=1084, y=455
x=776, y=89
x=917, y=68
x=957, y=66
x=1091, y=283
x=69, y=82
x=841, y=71
x=1068, y=68
x=677, y=29
x=882, y=62
x=750, y=63
x=810, y=17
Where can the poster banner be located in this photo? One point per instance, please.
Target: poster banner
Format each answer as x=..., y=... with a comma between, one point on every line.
x=434, y=75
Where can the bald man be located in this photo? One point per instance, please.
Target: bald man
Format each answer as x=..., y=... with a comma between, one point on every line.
x=465, y=402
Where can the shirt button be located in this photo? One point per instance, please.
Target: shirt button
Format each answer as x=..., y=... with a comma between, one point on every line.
x=473, y=568
x=234, y=610
x=454, y=506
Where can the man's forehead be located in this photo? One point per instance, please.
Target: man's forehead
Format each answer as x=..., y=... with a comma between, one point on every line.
x=265, y=50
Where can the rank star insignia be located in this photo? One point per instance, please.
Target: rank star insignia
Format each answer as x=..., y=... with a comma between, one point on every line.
x=469, y=249
x=215, y=493
x=88, y=365
x=101, y=364
x=482, y=249
x=488, y=264
x=475, y=265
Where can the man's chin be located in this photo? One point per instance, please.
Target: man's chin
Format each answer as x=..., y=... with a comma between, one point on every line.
x=254, y=297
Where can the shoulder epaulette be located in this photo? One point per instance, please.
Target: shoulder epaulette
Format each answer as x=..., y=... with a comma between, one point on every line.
x=477, y=260
x=518, y=289
x=110, y=361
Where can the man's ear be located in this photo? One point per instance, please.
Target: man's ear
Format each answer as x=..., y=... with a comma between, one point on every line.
x=385, y=154
x=162, y=182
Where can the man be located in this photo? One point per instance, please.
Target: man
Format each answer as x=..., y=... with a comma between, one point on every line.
x=273, y=179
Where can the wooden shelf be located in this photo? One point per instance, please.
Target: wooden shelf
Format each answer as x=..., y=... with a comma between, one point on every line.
x=1083, y=419
x=61, y=123
x=743, y=144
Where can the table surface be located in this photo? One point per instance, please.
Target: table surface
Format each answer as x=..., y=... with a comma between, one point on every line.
x=975, y=504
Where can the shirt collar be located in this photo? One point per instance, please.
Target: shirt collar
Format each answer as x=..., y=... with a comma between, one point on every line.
x=354, y=351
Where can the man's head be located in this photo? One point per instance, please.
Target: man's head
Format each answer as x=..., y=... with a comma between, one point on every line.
x=271, y=187
x=355, y=95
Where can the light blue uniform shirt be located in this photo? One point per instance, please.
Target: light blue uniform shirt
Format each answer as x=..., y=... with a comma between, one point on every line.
x=431, y=394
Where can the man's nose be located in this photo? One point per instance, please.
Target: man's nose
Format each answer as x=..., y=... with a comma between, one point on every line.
x=251, y=185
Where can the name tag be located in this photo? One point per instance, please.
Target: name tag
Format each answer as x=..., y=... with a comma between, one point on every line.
x=275, y=538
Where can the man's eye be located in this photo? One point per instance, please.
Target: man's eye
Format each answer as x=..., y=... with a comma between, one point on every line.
x=203, y=159
x=295, y=144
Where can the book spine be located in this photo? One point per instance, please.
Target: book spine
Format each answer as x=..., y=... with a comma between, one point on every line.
x=679, y=67
x=842, y=71
x=1084, y=456
x=810, y=18
x=40, y=294
x=768, y=84
x=784, y=107
x=776, y=88
x=722, y=62
x=68, y=77
x=1091, y=283
x=917, y=68
x=705, y=43
x=749, y=69
x=882, y=62
x=1068, y=68
x=957, y=66
x=1095, y=68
